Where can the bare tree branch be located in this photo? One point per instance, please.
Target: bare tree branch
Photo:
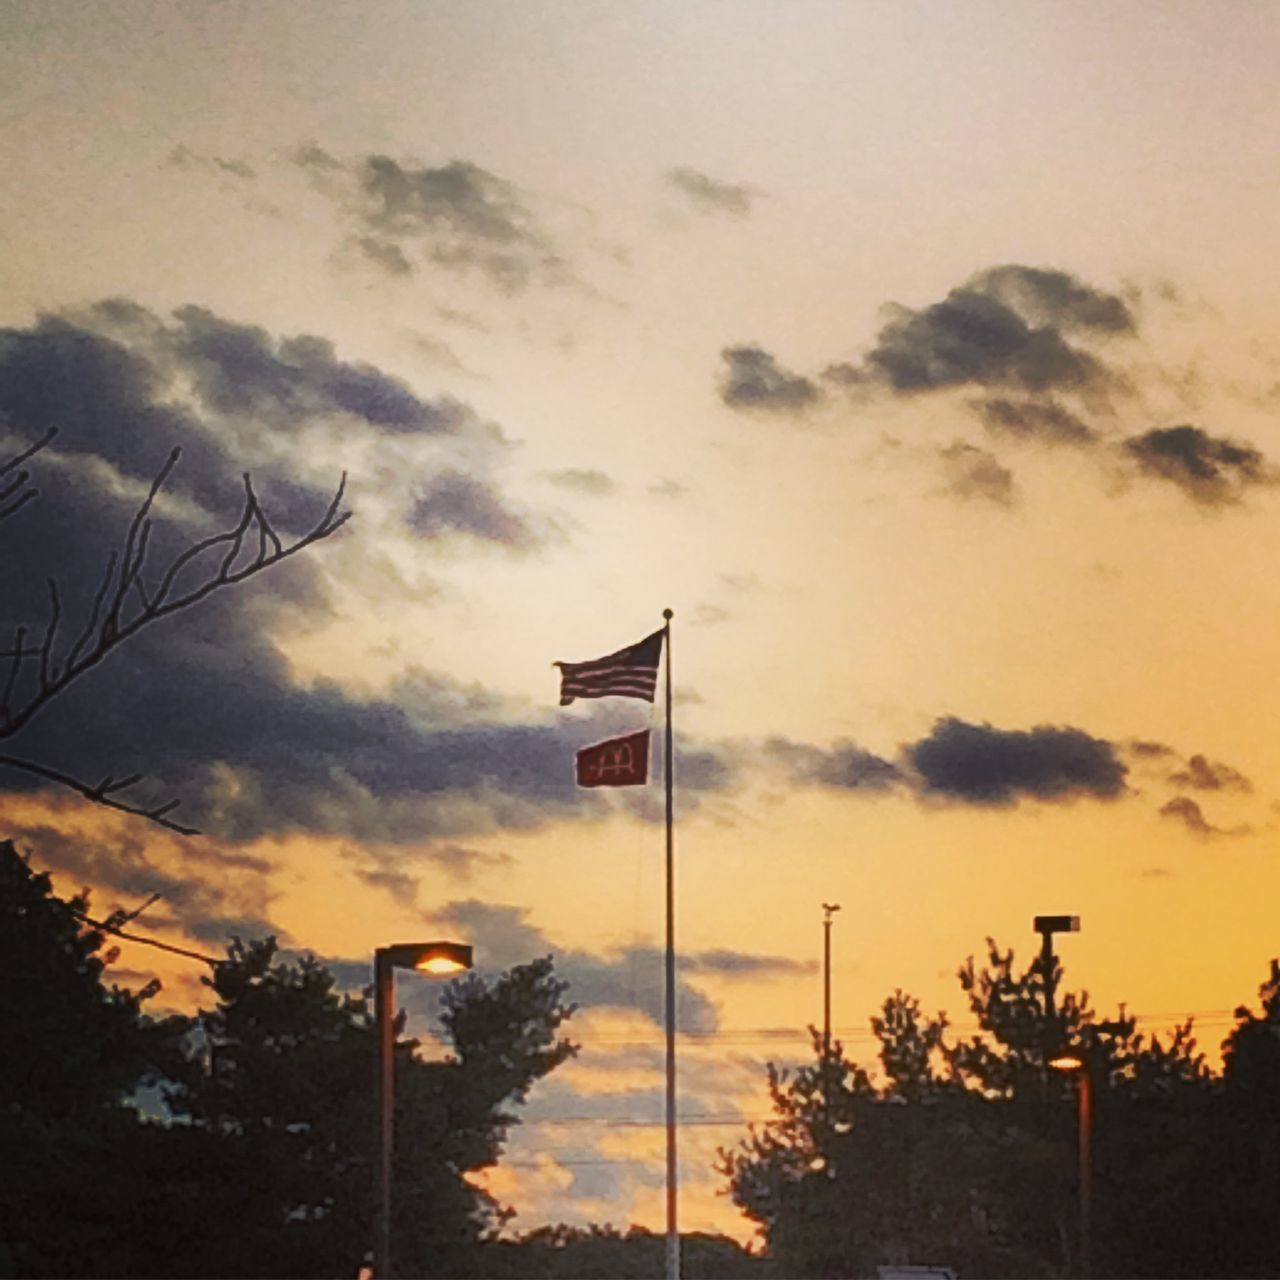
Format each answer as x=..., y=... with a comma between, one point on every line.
x=16, y=493
x=112, y=926
x=104, y=793
x=123, y=605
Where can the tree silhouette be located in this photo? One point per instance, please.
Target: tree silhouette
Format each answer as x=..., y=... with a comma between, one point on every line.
x=284, y=1081
x=964, y=1154
x=41, y=661
x=75, y=1049
x=257, y=1158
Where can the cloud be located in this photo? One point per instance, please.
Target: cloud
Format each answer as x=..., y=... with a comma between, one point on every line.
x=745, y=964
x=457, y=216
x=1210, y=470
x=208, y=707
x=1037, y=421
x=711, y=196
x=843, y=766
x=1185, y=810
x=184, y=157
x=582, y=480
x=753, y=379
x=242, y=369
x=394, y=870
x=1207, y=775
x=209, y=892
x=981, y=765
x=386, y=255
x=630, y=978
x=973, y=473
x=456, y=503
x=1005, y=327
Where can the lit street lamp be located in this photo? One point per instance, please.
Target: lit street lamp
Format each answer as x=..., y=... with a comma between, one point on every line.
x=1075, y=1063
x=438, y=958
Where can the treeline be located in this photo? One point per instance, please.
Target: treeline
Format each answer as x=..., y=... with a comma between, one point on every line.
x=965, y=1153
x=239, y=1142
x=259, y=1157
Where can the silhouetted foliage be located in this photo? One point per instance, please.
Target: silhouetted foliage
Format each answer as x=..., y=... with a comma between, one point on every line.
x=73, y=1051
x=265, y=1166
x=591, y=1253
x=965, y=1154
x=285, y=1078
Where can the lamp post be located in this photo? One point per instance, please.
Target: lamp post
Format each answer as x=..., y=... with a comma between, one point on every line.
x=828, y=910
x=1075, y=1063
x=439, y=959
x=1046, y=927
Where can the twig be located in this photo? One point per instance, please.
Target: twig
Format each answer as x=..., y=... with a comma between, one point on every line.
x=107, y=927
x=104, y=793
x=112, y=621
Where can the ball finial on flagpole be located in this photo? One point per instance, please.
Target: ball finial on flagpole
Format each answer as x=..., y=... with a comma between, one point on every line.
x=666, y=613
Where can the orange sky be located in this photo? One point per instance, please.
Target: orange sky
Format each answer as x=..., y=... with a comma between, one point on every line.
x=921, y=359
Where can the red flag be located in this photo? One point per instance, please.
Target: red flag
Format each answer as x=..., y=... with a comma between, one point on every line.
x=619, y=762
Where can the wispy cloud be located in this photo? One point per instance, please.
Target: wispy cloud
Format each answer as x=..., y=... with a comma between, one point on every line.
x=709, y=195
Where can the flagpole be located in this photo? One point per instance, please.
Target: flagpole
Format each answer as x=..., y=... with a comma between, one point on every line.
x=673, y=1233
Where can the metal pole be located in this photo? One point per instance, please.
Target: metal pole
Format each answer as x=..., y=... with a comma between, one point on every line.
x=1048, y=964
x=826, y=985
x=673, y=1231
x=1086, y=1171
x=384, y=1019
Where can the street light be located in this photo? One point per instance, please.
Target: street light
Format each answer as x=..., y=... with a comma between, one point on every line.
x=436, y=958
x=1046, y=927
x=1074, y=1062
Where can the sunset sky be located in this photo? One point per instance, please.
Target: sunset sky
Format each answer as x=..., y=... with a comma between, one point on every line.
x=924, y=359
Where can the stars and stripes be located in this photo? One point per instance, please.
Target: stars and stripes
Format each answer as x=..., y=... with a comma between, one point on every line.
x=630, y=673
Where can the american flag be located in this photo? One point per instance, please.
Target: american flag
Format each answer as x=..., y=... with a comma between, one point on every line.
x=630, y=673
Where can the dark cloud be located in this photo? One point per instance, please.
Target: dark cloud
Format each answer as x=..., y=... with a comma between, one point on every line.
x=1208, y=775
x=221, y=929
x=206, y=706
x=843, y=765
x=396, y=870
x=1005, y=327
x=203, y=891
x=461, y=217
x=122, y=384
x=1185, y=810
x=286, y=382
x=210, y=713
x=629, y=979
x=979, y=764
x=456, y=503
x=1210, y=470
x=753, y=379
x=1050, y=297
x=386, y=255
x=712, y=196
x=973, y=473
x=1038, y=421
x=582, y=480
